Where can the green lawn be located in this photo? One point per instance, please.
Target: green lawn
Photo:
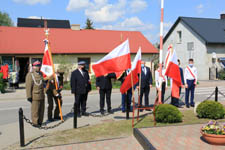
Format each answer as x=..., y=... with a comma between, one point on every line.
x=110, y=129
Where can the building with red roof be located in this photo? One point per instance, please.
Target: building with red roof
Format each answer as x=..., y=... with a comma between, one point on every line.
x=25, y=44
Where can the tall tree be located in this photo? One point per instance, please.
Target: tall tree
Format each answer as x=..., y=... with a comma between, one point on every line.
x=89, y=24
x=5, y=20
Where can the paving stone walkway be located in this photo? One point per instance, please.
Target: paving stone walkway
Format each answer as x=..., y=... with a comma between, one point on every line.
x=187, y=137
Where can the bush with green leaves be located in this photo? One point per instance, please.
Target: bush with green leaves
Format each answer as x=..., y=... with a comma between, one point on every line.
x=166, y=113
x=221, y=74
x=2, y=84
x=211, y=110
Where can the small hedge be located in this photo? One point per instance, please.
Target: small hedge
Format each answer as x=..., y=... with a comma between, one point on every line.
x=166, y=113
x=211, y=110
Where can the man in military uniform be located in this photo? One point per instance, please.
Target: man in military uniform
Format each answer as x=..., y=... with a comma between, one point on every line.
x=35, y=93
x=79, y=87
x=52, y=94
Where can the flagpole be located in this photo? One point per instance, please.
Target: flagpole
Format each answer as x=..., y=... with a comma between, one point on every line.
x=53, y=68
x=160, y=53
x=132, y=84
x=139, y=97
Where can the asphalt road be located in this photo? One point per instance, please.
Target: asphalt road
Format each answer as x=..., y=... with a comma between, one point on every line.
x=9, y=108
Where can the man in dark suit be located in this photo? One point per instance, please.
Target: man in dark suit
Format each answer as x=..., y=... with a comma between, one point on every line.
x=175, y=101
x=79, y=87
x=146, y=83
x=104, y=85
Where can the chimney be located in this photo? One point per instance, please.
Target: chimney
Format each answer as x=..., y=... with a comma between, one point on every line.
x=222, y=16
x=75, y=26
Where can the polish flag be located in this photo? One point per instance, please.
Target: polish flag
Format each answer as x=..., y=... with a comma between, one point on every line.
x=46, y=67
x=135, y=70
x=173, y=71
x=116, y=61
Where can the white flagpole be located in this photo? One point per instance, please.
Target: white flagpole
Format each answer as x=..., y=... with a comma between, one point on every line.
x=160, y=52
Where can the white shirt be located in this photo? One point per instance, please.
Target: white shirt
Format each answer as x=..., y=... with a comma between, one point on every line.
x=144, y=70
x=157, y=78
x=82, y=73
x=188, y=76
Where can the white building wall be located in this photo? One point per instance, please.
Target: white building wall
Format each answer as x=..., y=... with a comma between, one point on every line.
x=199, y=54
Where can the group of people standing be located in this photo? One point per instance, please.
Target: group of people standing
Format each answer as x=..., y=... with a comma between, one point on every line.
x=37, y=86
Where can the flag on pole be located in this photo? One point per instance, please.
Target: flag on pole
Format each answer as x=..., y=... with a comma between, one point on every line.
x=116, y=61
x=135, y=70
x=173, y=71
x=46, y=67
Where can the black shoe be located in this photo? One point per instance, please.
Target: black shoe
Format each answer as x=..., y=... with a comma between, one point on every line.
x=148, y=109
x=123, y=111
x=141, y=110
x=57, y=118
x=102, y=112
x=50, y=120
x=85, y=114
x=78, y=115
x=110, y=111
x=187, y=106
x=193, y=105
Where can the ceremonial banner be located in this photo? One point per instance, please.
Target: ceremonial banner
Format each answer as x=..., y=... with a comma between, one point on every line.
x=46, y=67
x=135, y=70
x=173, y=71
x=116, y=61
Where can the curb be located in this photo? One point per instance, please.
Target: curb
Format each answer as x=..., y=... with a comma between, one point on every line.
x=143, y=141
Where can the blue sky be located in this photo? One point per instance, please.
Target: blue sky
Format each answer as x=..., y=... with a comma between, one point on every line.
x=138, y=15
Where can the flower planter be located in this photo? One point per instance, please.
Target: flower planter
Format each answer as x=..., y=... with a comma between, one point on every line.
x=213, y=138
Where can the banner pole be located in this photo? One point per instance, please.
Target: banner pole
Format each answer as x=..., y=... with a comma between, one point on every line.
x=132, y=84
x=160, y=53
x=53, y=67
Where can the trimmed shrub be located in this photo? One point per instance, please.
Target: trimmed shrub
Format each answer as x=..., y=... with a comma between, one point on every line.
x=211, y=110
x=167, y=113
x=221, y=74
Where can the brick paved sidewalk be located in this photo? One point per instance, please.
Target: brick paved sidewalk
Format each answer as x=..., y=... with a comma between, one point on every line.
x=187, y=137
x=127, y=143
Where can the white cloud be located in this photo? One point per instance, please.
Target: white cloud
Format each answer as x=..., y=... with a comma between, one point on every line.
x=32, y=2
x=130, y=24
x=75, y=5
x=35, y=17
x=105, y=14
x=100, y=11
x=200, y=8
x=138, y=5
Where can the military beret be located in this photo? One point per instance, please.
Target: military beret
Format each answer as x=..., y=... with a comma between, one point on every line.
x=37, y=63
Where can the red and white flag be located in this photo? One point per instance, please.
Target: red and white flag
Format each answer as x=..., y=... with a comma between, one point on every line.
x=135, y=70
x=116, y=61
x=173, y=71
x=46, y=67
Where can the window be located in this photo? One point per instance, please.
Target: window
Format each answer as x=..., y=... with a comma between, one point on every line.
x=190, y=48
x=87, y=62
x=179, y=36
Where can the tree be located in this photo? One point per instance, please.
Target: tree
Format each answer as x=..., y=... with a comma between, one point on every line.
x=89, y=24
x=5, y=20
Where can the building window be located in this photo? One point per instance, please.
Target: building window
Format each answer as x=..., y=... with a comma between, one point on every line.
x=87, y=62
x=179, y=36
x=190, y=48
